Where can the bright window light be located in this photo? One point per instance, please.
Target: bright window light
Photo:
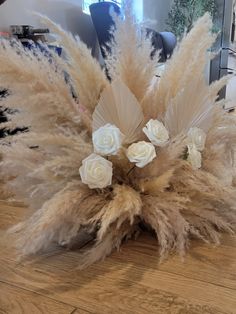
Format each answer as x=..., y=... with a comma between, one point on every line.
x=87, y=3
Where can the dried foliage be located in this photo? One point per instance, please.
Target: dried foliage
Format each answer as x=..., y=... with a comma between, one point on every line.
x=85, y=72
x=128, y=57
x=41, y=166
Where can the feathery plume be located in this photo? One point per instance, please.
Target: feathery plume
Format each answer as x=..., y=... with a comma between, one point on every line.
x=177, y=180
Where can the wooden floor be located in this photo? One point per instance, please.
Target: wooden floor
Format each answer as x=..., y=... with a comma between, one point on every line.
x=130, y=281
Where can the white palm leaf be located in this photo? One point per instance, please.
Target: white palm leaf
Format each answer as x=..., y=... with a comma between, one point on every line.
x=118, y=106
x=193, y=107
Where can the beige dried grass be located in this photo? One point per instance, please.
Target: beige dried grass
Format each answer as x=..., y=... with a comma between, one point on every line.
x=85, y=72
x=128, y=57
x=168, y=196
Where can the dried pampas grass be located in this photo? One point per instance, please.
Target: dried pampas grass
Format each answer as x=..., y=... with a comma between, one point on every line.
x=168, y=196
x=129, y=53
x=85, y=72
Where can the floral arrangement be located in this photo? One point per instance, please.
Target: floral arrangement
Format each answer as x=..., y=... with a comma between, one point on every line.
x=96, y=171
x=133, y=153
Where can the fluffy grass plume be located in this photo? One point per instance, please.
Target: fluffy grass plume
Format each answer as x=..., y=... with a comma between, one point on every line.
x=168, y=196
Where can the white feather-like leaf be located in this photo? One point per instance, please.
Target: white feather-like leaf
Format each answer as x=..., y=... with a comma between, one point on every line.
x=119, y=106
x=193, y=107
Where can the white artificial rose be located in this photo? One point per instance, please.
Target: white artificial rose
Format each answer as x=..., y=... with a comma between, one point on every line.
x=141, y=153
x=96, y=172
x=107, y=140
x=194, y=157
x=197, y=137
x=156, y=132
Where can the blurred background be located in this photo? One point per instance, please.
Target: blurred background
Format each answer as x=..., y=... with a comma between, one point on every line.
x=176, y=16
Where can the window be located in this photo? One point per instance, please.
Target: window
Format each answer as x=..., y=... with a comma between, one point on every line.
x=87, y=3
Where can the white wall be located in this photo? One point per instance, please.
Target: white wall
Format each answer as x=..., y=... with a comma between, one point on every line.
x=67, y=13
x=157, y=11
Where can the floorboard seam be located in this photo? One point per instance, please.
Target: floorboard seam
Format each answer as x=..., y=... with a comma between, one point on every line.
x=199, y=280
x=195, y=279
x=181, y=275
x=42, y=295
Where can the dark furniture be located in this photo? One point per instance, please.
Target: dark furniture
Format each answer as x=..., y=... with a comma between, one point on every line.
x=223, y=22
x=102, y=20
x=3, y=93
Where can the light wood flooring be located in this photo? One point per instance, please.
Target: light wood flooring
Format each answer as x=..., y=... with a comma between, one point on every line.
x=129, y=281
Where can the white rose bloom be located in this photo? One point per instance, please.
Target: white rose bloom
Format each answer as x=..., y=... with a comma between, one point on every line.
x=96, y=172
x=107, y=140
x=141, y=153
x=156, y=132
x=197, y=137
x=194, y=157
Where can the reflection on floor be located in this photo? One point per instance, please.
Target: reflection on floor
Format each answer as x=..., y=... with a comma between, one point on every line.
x=130, y=281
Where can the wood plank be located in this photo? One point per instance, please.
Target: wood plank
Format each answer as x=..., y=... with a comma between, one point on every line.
x=123, y=293
x=203, y=262
x=10, y=215
x=14, y=300
x=216, y=265
x=11, y=202
x=116, y=283
x=132, y=281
